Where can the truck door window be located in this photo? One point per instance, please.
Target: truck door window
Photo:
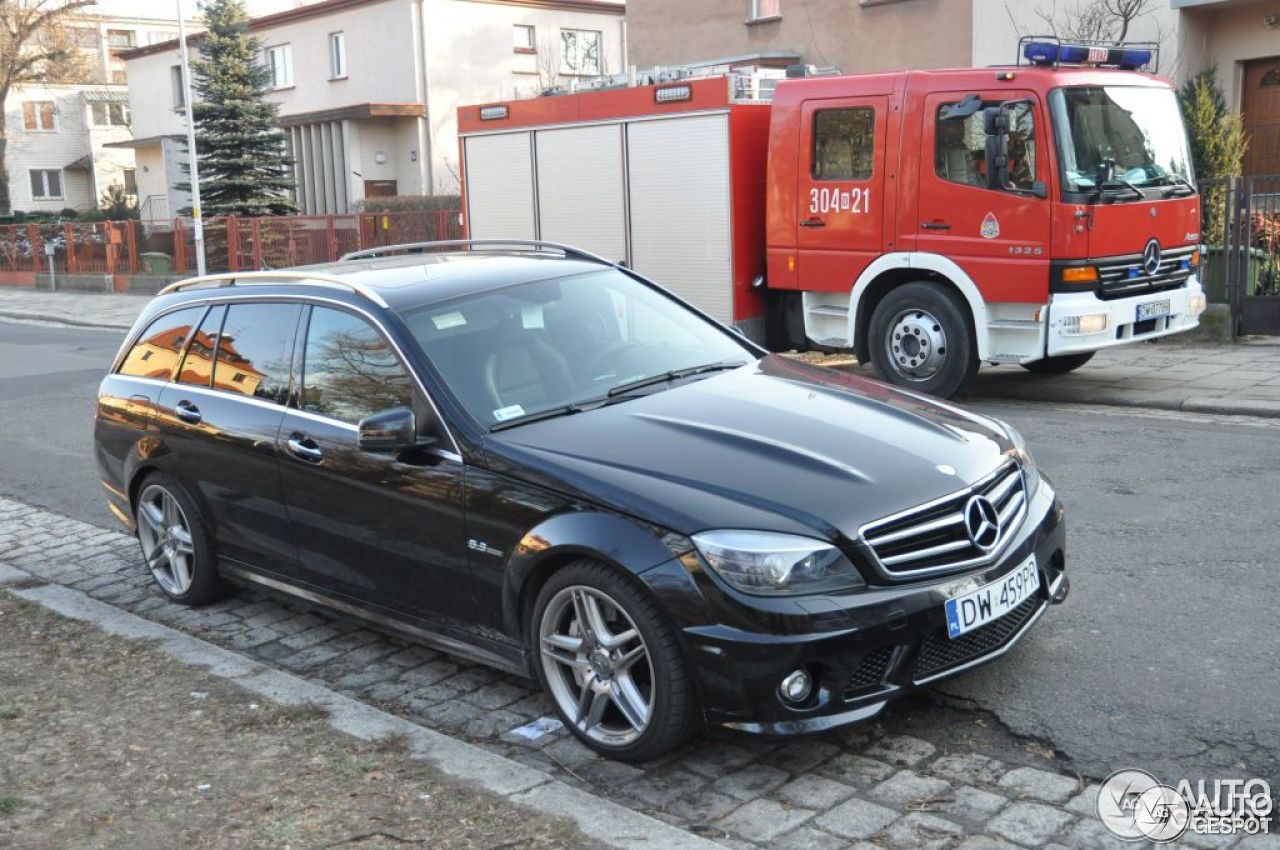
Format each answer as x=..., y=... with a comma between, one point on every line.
x=960, y=149
x=844, y=143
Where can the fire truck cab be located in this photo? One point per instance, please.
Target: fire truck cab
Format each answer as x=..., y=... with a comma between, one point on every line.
x=927, y=220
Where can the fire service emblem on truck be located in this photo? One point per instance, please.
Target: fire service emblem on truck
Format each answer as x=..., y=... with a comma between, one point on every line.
x=990, y=226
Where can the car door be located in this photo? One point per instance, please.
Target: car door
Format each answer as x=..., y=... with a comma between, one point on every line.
x=385, y=530
x=840, y=220
x=1000, y=237
x=219, y=421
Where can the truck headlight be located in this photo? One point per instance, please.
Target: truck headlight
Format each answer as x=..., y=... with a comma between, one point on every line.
x=1086, y=325
x=1197, y=304
x=765, y=563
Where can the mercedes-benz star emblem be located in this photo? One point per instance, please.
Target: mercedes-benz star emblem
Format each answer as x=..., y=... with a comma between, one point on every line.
x=982, y=522
x=1151, y=257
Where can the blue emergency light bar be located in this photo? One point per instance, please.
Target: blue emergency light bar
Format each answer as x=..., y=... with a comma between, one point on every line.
x=1053, y=52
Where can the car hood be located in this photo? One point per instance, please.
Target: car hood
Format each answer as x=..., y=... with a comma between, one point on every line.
x=776, y=445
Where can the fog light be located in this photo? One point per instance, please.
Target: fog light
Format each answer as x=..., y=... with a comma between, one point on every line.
x=1086, y=325
x=796, y=687
x=1197, y=304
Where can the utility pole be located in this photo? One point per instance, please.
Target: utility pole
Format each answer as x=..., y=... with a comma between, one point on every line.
x=196, y=218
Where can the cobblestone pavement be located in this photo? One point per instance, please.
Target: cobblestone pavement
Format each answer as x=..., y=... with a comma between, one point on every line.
x=862, y=788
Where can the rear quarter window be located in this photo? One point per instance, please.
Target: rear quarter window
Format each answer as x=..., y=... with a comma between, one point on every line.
x=158, y=348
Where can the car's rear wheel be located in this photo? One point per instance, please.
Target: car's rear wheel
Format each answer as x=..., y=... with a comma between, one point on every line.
x=611, y=663
x=175, y=546
x=1059, y=365
x=920, y=339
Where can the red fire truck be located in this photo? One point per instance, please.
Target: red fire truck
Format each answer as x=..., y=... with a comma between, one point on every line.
x=928, y=220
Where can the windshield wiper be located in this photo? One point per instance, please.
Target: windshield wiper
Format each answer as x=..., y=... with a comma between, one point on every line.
x=1124, y=184
x=1181, y=186
x=673, y=375
x=549, y=413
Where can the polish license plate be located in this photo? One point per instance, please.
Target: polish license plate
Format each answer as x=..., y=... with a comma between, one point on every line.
x=1153, y=310
x=992, y=601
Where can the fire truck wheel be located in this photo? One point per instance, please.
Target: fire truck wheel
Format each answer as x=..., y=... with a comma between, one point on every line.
x=920, y=338
x=1059, y=365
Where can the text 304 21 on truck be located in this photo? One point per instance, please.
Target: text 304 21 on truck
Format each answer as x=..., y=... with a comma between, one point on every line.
x=928, y=220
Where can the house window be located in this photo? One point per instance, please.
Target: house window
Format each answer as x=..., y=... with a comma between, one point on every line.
x=763, y=10
x=160, y=37
x=122, y=39
x=580, y=52
x=85, y=37
x=119, y=76
x=38, y=116
x=46, y=184
x=178, y=84
x=280, y=64
x=130, y=176
x=337, y=55
x=110, y=115
x=524, y=38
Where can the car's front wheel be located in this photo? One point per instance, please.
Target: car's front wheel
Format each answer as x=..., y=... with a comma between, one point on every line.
x=611, y=663
x=175, y=546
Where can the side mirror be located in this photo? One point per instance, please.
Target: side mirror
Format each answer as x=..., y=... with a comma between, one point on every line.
x=1106, y=172
x=388, y=431
x=962, y=110
x=1039, y=189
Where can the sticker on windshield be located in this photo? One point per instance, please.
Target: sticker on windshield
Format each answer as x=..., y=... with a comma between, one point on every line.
x=502, y=414
x=990, y=226
x=444, y=321
x=531, y=317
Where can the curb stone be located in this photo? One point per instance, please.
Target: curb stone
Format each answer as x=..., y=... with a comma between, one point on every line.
x=603, y=820
x=63, y=320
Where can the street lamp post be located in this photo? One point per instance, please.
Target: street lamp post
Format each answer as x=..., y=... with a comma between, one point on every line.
x=196, y=218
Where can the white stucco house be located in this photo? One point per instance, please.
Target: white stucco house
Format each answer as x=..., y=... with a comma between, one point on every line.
x=369, y=89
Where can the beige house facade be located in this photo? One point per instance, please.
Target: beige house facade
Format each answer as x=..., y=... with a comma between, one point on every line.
x=369, y=89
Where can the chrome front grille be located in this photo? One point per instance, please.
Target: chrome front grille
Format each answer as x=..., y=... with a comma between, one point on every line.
x=935, y=538
x=1122, y=277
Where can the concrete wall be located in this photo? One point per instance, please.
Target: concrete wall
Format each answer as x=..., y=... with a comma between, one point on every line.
x=855, y=36
x=997, y=25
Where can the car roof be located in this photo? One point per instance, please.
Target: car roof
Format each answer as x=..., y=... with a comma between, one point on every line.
x=412, y=280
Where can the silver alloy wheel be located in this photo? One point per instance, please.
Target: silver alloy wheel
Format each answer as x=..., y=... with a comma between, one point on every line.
x=916, y=345
x=166, y=541
x=597, y=665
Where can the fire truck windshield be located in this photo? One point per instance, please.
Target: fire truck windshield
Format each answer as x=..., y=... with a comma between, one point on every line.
x=1137, y=129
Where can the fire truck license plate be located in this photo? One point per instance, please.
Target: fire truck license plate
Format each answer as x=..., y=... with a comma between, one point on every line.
x=992, y=601
x=1153, y=310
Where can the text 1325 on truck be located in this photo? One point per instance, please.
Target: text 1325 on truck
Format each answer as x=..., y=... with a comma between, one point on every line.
x=927, y=220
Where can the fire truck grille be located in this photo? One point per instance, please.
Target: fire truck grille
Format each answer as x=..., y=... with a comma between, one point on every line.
x=1123, y=277
x=934, y=538
x=939, y=653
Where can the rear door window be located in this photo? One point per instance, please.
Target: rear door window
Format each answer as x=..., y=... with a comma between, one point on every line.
x=844, y=143
x=253, y=351
x=157, y=350
x=349, y=370
x=197, y=366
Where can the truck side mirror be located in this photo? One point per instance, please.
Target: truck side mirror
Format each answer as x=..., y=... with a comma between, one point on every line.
x=995, y=120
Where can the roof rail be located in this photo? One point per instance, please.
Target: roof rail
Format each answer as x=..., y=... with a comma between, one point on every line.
x=269, y=277
x=422, y=247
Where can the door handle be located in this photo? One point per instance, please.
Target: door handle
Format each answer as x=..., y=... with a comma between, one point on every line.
x=936, y=225
x=813, y=222
x=305, y=448
x=188, y=412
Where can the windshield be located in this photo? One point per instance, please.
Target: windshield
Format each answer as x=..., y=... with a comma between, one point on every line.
x=1138, y=128
x=510, y=353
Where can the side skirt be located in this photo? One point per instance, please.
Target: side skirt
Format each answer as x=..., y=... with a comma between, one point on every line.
x=505, y=659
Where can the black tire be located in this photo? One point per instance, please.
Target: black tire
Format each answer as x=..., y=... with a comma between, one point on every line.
x=941, y=331
x=675, y=714
x=203, y=583
x=1060, y=365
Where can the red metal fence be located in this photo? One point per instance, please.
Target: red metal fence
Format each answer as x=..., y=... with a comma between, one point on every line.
x=231, y=243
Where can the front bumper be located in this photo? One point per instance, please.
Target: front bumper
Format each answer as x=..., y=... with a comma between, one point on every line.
x=1121, y=315
x=866, y=648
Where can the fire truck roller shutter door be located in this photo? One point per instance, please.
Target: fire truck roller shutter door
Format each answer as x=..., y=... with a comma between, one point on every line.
x=500, y=187
x=580, y=189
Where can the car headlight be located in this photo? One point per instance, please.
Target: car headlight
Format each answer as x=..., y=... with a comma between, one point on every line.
x=1030, y=472
x=765, y=563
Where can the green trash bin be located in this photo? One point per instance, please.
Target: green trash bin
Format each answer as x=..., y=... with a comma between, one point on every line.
x=155, y=262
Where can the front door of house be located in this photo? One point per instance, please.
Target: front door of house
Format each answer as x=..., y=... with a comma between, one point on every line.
x=380, y=188
x=1261, y=106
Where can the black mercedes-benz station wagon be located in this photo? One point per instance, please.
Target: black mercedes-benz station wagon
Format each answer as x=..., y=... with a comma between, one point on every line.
x=529, y=456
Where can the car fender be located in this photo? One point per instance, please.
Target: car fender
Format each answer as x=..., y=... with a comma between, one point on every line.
x=624, y=543
x=935, y=263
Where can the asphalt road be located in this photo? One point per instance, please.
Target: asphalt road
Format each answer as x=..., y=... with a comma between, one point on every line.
x=1164, y=656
